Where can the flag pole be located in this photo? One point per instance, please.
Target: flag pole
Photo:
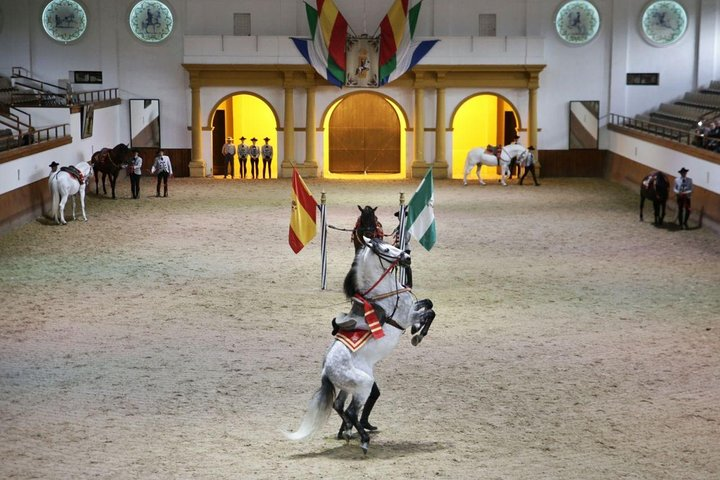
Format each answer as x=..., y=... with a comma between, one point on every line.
x=323, y=242
x=402, y=241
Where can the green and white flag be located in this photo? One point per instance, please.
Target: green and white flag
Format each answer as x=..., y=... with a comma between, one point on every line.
x=420, y=215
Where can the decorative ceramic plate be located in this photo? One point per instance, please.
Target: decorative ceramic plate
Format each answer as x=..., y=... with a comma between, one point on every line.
x=577, y=22
x=663, y=22
x=64, y=20
x=151, y=21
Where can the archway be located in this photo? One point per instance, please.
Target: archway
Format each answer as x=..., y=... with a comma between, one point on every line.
x=480, y=120
x=364, y=136
x=243, y=115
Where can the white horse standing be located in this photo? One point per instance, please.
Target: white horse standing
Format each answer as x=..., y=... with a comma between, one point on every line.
x=350, y=373
x=63, y=185
x=477, y=156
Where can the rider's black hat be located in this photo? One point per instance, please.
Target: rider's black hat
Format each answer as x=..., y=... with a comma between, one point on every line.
x=683, y=170
x=53, y=164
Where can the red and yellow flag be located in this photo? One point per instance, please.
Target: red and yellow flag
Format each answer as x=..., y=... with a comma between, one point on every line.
x=302, y=215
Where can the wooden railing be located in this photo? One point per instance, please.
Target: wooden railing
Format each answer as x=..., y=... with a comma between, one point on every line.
x=32, y=137
x=46, y=99
x=685, y=137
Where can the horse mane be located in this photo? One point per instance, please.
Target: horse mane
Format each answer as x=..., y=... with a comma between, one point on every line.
x=350, y=286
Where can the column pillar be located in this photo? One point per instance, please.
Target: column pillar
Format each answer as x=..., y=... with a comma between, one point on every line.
x=310, y=164
x=197, y=164
x=289, y=135
x=419, y=166
x=440, y=165
x=532, y=125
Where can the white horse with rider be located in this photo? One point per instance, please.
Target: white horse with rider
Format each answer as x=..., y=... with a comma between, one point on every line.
x=387, y=308
x=493, y=157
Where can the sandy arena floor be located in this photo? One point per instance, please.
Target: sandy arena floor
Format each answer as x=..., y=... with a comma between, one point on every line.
x=174, y=338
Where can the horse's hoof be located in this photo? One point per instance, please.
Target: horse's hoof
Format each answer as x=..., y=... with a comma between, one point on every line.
x=347, y=435
x=364, y=446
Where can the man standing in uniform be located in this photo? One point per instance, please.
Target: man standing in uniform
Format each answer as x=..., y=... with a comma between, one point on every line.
x=242, y=156
x=163, y=168
x=683, y=190
x=254, y=158
x=228, y=151
x=267, y=156
x=530, y=166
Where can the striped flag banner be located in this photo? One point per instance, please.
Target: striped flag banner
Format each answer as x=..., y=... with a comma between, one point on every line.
x=420, y=213
x=325, y=50
x=302, y=215
x=398, y=52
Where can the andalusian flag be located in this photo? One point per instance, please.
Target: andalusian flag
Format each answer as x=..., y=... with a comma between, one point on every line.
x=420, y=215
x=325, y=50
x=398, y=52
x=302, y=216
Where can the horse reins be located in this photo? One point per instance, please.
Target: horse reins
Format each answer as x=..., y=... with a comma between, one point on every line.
x=389, y=320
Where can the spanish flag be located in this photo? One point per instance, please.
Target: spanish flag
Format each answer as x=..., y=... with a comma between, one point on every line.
x=302, y=215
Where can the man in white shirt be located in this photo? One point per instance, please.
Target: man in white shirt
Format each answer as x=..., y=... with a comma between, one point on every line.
x=135, y=172
x=163, y=168
x=267, y=156
x=683, y=190
x=242, y=156
x=228, y=152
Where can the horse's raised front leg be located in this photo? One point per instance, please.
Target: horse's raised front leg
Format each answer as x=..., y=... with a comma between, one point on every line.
x=503, y=175
x=103, y=182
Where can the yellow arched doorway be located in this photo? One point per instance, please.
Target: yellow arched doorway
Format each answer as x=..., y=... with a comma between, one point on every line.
x=244, y=115
x=364, y=136
x=481, y=120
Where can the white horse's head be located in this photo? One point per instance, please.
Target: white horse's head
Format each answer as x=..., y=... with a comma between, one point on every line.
x=387, y=253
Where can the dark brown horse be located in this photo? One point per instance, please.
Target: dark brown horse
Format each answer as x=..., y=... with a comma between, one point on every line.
x=654, y=187
x=367, y=225
x=109, y=162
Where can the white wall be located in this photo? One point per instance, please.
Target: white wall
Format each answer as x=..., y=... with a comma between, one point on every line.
x=704, y=174
x=591, y=72
x=24, y=171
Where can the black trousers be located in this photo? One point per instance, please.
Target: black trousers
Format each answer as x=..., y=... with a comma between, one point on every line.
x=530, y=169
x=229, y=165
x=243, y=166
x=135, y=185
x=267, y=163
x=162, y=177
x=255, y=167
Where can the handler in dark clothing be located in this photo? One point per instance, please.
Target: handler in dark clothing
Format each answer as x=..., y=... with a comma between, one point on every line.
x=530, y=166
x=683, y=190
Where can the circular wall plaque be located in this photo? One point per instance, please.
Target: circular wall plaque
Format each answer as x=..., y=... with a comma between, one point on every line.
x=151, y=21
x=663, y=22
x=577, y=22
x=64, y=20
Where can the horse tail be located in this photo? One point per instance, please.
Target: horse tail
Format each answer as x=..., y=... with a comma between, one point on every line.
x=55, y=191
x=317, y=413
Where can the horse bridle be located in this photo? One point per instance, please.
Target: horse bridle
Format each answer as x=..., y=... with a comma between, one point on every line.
x=394, y=262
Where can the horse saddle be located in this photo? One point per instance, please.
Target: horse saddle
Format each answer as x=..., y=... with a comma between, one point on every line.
x=355, y=320
x=74, y=172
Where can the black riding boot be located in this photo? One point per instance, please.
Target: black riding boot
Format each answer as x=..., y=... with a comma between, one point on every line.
x=165, y=195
